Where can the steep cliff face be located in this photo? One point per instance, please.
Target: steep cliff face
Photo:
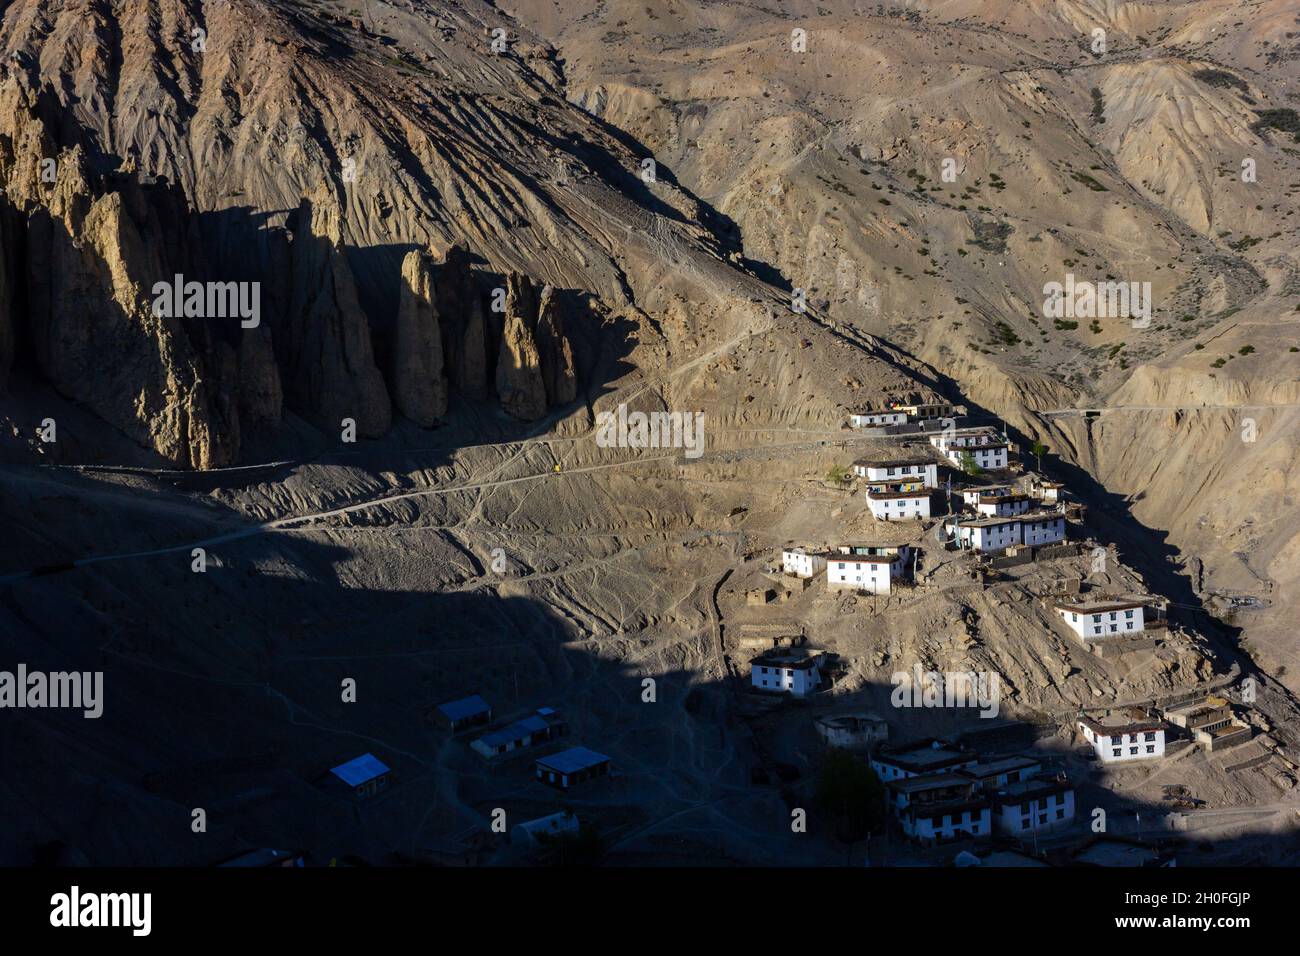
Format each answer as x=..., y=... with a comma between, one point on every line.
x=326, y=341
x=464, y=326
x=556, y=354
x=8, y=237
x=96, y=332
x=520, y=384
x=418, y=378
x=260, y=395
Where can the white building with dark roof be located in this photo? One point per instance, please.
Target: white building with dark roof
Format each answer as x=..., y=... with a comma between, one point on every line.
x=906, y=500
x=867, y=567
x=1003, y=505
x=876, y=417
x=1036, y=805
x=987, y=448
x=786, y=672
x=939, y=807
x=896, y=469
x=1001, y=771
x=1033, y=528
x=917, y=759
x=803, y=562
x=971, y=496
x=1124, y=738
x=1091, y=620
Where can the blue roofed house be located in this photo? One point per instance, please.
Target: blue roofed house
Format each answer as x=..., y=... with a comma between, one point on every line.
x=364, y=776
x=458, y=715
x=539, y=727
x=571, y=766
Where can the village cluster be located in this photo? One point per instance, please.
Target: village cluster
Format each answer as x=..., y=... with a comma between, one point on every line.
x=937, y=790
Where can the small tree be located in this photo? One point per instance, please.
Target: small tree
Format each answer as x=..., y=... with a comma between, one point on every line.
x=1038, y=450
x=968, y=463
x=852, y=795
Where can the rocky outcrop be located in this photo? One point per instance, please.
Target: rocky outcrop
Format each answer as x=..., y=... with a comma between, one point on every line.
x=8, y=245
x=260, y=395
x=520, y=386
x=558, y=372
x=464, y=326
x=331, y=373
x=418, y=378
x=96, y=334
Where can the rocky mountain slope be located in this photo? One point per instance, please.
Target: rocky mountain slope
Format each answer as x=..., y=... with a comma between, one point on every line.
x=923, y=169
x=474, y=228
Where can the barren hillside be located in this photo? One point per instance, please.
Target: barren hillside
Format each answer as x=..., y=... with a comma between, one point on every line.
x=476, y=229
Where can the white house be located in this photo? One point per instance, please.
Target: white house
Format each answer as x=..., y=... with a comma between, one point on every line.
x=917, y=759
x=938, y=807
x=993, y=534
x=1124, y=739
x=785, y=673
x=876, y=417
x=1033, y=806
x=1002, y=771
x=1002, y=505
x=802, y=563
x=1050, y=492
x=899, y=500
x=1096, y=619
x=933, y=823
x=987, y=534
x=866, y=568
x=970, y=497
x=897, y=469
x=852, y=731
x=985, y=446
x=1042, y=527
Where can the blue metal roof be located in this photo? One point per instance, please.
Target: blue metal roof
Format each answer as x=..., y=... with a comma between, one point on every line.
x=464, y=708
x=516, y=731
x=364, y=768
x=572, y=760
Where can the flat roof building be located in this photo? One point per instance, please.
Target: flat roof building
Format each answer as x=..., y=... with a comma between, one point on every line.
x=545, y=724
x=363, y=776
x=1090, y=620
x=921, y=467
x=572, y=766
x=786, y=672
x=922, y=757
x=1001, y=771
x=464, y=713
x=1123, y=738
x=1034, y=805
